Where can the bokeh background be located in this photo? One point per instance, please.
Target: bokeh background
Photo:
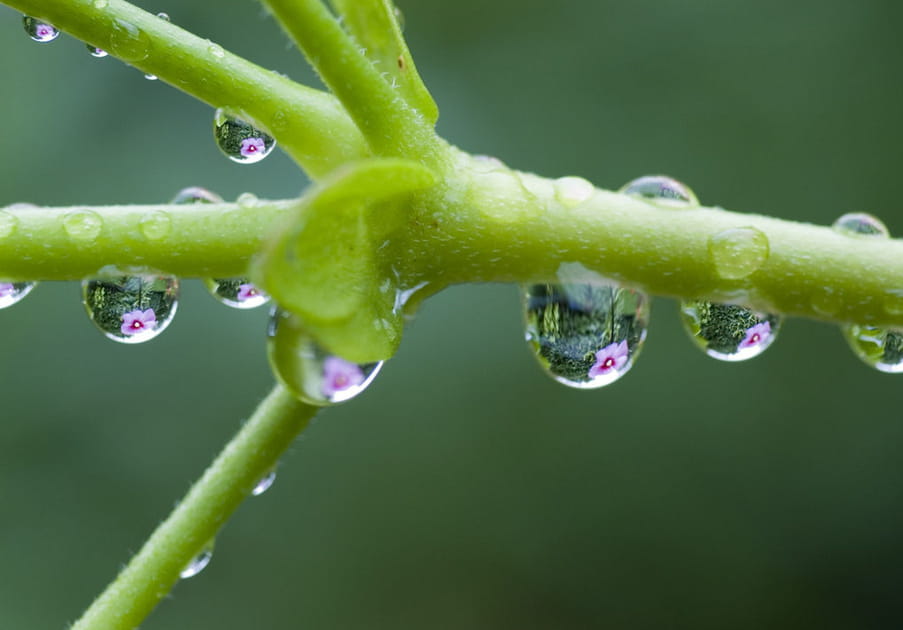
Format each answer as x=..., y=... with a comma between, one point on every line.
x=465, y=489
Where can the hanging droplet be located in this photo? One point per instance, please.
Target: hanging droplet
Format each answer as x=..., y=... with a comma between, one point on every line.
x=95, y=51
x=264, y=484
x=662, y=191
x=38, y=30
x=198, y=563
x=14, y=292
x=130, y=307
x=729, y=332
x=240, y=141
x=150, y=77
x=738, y=252
x=236, y=292
x=880, y=348
x=196, y=194
x=309, y=371
x=585, y=335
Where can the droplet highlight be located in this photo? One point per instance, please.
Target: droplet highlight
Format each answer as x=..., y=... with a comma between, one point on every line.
x=737, y=253
x=155, y=226
x=128, y=42
x=572, y=191
x=729, y=332
x=265, y=483
x=307, y=370
x=38, y=30
x=198, y=563
x=240, y=141
x=83, y=226
x=131, y=307
x=662, y=191
x=14, y=292
x=216, y=50
x=585, y=335
x=861, y=224
x=238, y=293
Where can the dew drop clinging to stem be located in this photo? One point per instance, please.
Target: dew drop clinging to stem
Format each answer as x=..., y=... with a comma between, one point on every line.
x=239, y=140
x=728, y=332
x=737, y=253
x=238, y=293
x=264, y=484
x=38, y=30
x=662, y=191
x=130, y=306
x=14, y=292
x=307, y=369
x=198, y=563
x=99, y=53
x=585, y=334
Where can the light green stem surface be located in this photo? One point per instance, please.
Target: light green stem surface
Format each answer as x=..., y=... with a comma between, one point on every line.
x=151, y=574
x=310, y=125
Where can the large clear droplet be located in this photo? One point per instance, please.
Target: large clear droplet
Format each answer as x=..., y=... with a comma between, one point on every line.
x=236, y=292
x=662, y=191
x=240, y=141
x=264, y=484
x=585, y=335
x=198, y=563
x=14, y=292
x=99, y=53
x=880, y=348
x=729, y=332
x=308, y=370
x=39, y=30
x=133, y=306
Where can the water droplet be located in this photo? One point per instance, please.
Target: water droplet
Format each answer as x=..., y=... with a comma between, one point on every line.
x=861, y=224
x=240, y=141
x=585, y=335
x=399, y=19
x=216, y=50
x=662, y=191
x=164, y=17
x=247, y=200
x=880, y=348
x=729, y=332
x=95, y=51
x=83, y=225
x=13, y=292
x=196, y=194
x=308, y=370
x=128, y=42
x=738, y=252
x=236, y=292
x=8, y=224
x=155, y=225
x=39, y=30
x=130, y=307
x=100, y=4
x=572, y=191
x=264, y=484
x=150, y=77
x=198, y=563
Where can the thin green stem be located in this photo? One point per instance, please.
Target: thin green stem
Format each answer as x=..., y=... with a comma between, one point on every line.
x=310, y=125
x=392, y=126
x=193, y=240
x=151, y=573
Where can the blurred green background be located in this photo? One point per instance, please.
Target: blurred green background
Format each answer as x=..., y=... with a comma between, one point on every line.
x=465, y=489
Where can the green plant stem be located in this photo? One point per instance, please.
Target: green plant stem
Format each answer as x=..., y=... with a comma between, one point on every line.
x=390, y=124
x=310, y=125
x=198, y=240
x=150, y=574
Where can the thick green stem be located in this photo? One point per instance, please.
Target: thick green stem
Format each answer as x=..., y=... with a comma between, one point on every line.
x=390, y=124
x=151, y=573
x=192, y=240
x=310, y=125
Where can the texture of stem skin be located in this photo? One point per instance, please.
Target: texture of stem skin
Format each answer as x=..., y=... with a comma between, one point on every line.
x=310, y=125
x=151, y=573
x=202, y=240
x=392, y=126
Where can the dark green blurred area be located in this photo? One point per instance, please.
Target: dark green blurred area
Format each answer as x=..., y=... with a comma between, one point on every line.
x=465, y=489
